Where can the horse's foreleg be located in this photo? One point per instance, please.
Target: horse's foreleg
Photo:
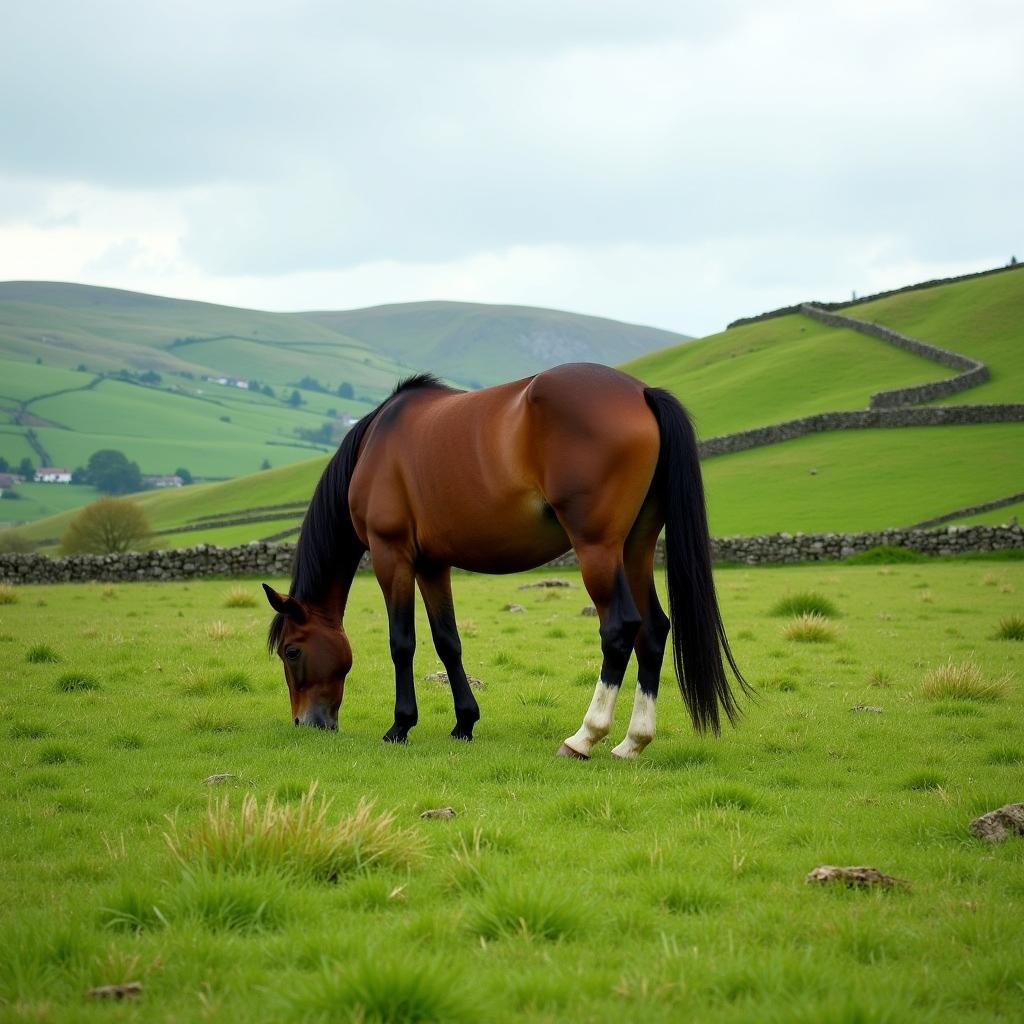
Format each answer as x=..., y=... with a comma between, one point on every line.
x=395, y=576
x=436, y=588
x=605, y=581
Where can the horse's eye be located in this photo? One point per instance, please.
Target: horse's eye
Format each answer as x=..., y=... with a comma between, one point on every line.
x=292, y=653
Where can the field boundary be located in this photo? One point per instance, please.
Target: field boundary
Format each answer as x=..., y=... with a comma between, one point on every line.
x=261, y=558
x=971, y=510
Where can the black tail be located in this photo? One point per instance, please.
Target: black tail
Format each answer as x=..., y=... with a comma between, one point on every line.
x=698, y=636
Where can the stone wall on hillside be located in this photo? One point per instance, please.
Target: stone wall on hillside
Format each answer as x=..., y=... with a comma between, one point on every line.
x=973, y=371
x=861, y=419
x=261, y=559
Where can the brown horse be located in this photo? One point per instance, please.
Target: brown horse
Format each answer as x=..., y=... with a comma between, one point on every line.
x=498, y=481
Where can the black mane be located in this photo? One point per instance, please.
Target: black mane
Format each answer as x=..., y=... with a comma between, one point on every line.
x=327, y=541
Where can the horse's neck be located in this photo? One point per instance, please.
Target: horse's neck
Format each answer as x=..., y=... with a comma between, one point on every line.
x=333, y=604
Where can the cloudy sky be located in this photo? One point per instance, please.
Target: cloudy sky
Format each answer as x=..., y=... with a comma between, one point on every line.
x=671, y=163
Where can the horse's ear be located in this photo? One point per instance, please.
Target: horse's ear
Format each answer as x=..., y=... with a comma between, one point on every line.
x=285, y=604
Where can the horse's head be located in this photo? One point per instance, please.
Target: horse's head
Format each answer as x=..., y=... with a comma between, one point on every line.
x=316, y=656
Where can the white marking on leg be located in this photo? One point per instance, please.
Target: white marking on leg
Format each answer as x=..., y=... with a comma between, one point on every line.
x=597, y=722
x=641, y=726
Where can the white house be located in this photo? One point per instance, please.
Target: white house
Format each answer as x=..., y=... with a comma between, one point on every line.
x=163, y=481
x=52, y=475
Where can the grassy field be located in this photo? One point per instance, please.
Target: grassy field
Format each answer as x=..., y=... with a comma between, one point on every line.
x=777, y=370
x=980, y=318
x=666, y=889
x=39, y=500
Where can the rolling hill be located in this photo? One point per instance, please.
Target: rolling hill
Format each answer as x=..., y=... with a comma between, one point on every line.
x=84, y=368
x=751, y=375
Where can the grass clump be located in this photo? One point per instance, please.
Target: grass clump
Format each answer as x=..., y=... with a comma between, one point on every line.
x=76, y=682
x=41, y=654
x=297, y=839
x=239, y=597
x=1011, y=628
x=809, y=628
x=963, y=681
x=382, y=990
x=538, y=911
x=806, y=603
x=8, y=595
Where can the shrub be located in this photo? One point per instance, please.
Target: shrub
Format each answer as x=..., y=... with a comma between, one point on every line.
x=1011, y=628
x=106, y=526
x=41, y=654
x=962, y=682
x=809, y=628
x=8, y=595
x=296, y=839
x=533, y=911
x=807, y=603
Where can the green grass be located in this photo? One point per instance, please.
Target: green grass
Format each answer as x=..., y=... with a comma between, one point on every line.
x=778, y=370
x=980, y=318
x=864, y=479
x=38, y=501
x=663, y=889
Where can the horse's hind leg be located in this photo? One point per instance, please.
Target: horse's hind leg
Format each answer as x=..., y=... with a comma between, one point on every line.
x=649, y=645
x=436, y=588
x=605, y=580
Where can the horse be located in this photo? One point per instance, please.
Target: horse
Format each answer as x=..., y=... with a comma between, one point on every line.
x=500, y=480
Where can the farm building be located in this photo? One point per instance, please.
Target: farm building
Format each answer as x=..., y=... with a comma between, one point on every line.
x=52, y=475
x=163, y=481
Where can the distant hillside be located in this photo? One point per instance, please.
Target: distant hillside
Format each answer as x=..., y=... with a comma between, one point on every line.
x=78, y=366
x=481, y=344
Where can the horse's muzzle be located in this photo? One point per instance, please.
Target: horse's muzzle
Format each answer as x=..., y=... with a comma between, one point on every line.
x=318, y=720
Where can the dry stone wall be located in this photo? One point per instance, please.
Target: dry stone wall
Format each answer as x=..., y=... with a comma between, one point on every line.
x=268, y=561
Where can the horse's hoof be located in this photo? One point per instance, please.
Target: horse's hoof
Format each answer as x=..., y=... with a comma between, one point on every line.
x=395, y=737
x=566, y=751
x=460, y=733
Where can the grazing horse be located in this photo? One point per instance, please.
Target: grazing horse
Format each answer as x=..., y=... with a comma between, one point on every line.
x=497, y=481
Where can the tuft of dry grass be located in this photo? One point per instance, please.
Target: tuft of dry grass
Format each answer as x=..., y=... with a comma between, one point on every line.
x=8, y=595
x=963, y=681
x=240, y=597
x=881, y=678
x=297, y=839
x=218, y=630
x=809, y=628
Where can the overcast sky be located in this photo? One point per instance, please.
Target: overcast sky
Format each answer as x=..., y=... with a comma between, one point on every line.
x=677, y=164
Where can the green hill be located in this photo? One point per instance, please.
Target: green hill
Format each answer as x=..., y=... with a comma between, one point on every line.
x=478, y=344
x=86, y=368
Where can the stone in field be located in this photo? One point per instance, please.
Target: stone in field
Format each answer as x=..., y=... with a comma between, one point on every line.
x=854, y=876
x=867, y=707
x=439, y=812
x=551, y=581
x=514, y=608
x=127, y=990
x=441, y=678
x=588, y=610
x=999, y=825
x=216, y=780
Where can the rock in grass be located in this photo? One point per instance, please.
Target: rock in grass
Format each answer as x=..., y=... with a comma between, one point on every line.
x=514, y=608
x=588, y=610
x=127, y=990
x=441, y=678
x=216, y=780
x=867, y=707
x=999, y=825
x=552, y=581
x=439, y=812
x=860, y=877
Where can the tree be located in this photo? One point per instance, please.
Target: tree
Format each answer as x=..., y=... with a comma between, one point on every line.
x=345, y=390
x=265, y=464
x=150, y=377
x=79, y=475
x=295, y=399
x=26, y=469
x=4, y=465
x=104, y=527
x=110, y=471
x=186, y=476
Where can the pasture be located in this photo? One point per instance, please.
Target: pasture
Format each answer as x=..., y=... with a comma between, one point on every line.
x=669, y=888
